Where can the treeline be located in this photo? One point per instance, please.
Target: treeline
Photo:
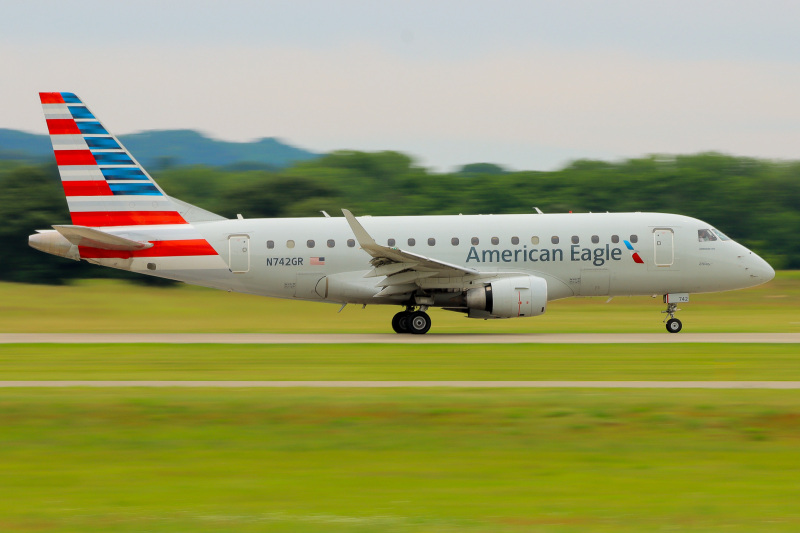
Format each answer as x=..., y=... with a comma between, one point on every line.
x=756, y=202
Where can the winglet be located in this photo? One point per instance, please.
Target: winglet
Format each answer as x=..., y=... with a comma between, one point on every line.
x=384, y=255
x=364, y=239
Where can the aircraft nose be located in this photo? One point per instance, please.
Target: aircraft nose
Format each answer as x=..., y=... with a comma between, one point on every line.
x=768, y=272
x=759, y=269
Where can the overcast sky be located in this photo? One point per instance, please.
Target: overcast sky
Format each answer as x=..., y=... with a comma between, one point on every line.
x=526, y=84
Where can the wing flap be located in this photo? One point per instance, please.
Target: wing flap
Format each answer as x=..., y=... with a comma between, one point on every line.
x=95, y=238
x=389, y=269
x=397, y=289
x=411, y=276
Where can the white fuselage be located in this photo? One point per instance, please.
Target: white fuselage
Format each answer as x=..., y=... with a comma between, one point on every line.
x=577, y=254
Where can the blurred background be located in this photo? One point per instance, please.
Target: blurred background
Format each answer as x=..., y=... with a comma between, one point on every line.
x=276, y=109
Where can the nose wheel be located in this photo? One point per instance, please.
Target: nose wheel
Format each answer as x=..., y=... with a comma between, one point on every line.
x=673, y=324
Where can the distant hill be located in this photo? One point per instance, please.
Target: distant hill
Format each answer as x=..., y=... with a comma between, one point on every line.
x=20, y=145
x=157, y=149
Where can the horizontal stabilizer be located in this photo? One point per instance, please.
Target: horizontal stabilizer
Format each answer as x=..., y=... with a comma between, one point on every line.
x=95, y=238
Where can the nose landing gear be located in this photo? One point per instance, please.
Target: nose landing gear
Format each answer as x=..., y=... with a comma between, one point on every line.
x=672, y=300
x=410, y=321
x=674, y=325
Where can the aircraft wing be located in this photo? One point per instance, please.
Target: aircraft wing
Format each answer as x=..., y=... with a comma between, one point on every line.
x=404, y=271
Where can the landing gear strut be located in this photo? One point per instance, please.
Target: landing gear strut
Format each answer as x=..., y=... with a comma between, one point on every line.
x=673, y=324
x=410, y=321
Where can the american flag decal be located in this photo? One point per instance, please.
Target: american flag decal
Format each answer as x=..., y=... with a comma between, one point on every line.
x=317, y=260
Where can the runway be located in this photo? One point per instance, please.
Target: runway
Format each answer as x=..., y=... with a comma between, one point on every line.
x=783, y=385
x=392, y=338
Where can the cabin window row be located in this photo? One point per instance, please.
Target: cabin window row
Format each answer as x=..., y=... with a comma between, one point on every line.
x=455, y=241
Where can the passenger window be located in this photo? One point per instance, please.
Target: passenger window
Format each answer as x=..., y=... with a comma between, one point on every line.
x=634, y=239
x=514, y=240
x=705, y=235
x=615, y=239
x=475, y=241
x=331, y=243
x=310, y=243
x=270, y=245
x=290, y=244
x=351, y=243
x=595, y=239
x=534, y=240
x=454, y=241
x=495, y=240
x=554, y=240
x=390, y=242
x=431, y=241
x=575, y=239
x=412, y=241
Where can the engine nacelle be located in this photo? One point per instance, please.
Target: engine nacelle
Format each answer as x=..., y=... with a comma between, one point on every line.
x=509, y=298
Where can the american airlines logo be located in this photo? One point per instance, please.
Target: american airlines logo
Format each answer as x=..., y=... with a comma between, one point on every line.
x=634, y=253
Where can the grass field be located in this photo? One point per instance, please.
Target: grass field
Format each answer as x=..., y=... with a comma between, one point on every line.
x=398, y=461
x=113, y=306
x=400, y=362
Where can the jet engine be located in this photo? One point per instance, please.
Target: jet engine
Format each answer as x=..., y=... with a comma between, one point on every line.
x=509, y=298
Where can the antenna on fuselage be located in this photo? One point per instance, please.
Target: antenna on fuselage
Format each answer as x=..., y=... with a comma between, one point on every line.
x=326, y=216
x=538, y=210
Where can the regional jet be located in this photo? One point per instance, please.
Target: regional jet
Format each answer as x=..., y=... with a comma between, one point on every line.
x=483, y=266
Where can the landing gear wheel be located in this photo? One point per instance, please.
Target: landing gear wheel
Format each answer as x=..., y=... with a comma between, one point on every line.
x=419, y=322
x=674, y=325
x=400, y=322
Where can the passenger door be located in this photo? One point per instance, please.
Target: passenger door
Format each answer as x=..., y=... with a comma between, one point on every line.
x=239, y=253
x=663, y=245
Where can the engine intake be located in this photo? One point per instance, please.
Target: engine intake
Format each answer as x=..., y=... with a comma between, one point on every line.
x=509, y=298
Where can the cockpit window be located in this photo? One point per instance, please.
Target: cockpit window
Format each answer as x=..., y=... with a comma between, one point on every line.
x=705, y=235
x=721, y=235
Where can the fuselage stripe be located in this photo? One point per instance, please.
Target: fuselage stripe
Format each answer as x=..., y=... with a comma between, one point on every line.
x=191, y=247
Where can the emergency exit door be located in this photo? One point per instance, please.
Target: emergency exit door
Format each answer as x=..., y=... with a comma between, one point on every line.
x=239, y=253
x=663, y=244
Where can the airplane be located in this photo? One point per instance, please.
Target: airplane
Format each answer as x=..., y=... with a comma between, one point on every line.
x=483, y=266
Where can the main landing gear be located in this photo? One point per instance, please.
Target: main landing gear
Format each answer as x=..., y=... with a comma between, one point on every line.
x=673, y=324
x=410, y=321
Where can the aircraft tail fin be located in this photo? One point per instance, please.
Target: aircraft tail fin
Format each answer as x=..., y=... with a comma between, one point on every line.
x=104, y=184
x=120, y=216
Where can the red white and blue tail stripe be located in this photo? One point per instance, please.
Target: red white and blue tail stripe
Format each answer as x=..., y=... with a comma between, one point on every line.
x=109, y=191
x=104, y=184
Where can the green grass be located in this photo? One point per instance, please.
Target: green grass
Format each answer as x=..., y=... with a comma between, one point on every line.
x=400, y=362
x=398, y=460
x=113, y=306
